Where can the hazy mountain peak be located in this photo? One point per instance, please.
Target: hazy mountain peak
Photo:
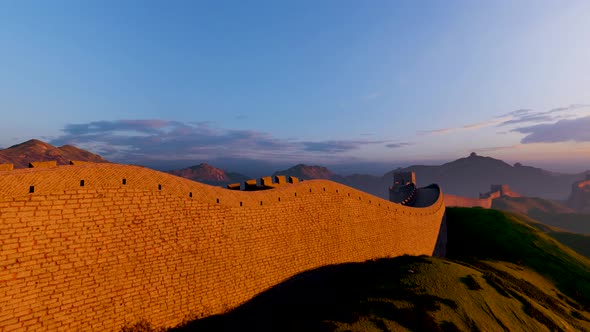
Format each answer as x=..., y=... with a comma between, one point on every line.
x=36, y=150
x=308, y=172
x=206, y=173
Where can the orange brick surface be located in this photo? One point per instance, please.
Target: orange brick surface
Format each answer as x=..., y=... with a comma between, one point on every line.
x=94, y=257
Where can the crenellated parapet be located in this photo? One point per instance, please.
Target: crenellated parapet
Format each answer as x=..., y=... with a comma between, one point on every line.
x=93, y=246
x=6, y=167
x=264, y=183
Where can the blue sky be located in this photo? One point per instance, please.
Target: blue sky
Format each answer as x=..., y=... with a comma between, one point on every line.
x=324, y=82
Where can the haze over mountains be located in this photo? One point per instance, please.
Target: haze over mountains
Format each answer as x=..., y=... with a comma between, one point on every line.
x=208, y=174
x=467, y=176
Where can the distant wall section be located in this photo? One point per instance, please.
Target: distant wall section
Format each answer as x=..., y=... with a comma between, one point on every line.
x=460, y=201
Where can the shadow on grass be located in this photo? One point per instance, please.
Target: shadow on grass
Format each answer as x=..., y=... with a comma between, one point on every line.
x=345, y=293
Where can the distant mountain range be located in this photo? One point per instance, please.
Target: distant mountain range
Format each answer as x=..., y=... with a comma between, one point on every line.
x=467, y=176
x=208, y=174
x=22, y=154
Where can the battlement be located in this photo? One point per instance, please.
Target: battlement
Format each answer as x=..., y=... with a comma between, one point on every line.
x=404, y=178
x=43, y=164
x=403, y=190
x=6, y=167
x=264, y=183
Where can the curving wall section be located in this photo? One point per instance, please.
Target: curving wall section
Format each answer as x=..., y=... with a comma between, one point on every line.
x=95, y=246
x=461, y=201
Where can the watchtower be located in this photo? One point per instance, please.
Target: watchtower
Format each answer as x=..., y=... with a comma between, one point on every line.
x=404, y=184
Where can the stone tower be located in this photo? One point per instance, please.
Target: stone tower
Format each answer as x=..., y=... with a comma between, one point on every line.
x=404, y=183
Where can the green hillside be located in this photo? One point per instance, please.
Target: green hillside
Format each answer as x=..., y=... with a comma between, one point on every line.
x=526, y=204
x=549, y=212
x=501, y=274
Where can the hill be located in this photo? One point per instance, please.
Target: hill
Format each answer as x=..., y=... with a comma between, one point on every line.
x=35, y=150
x=501, y=274
x=525, y=204
x=469, y=176
x=578, y=242
x=308, y=172
x=466, y=177
x=208, y=174
x=550, y=213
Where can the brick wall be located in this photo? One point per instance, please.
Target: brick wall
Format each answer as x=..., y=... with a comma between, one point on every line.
x=130, y=243
x=461, y=201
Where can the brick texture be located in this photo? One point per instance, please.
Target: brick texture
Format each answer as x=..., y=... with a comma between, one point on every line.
x=97, y=254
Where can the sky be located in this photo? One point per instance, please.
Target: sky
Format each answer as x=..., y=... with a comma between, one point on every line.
x=358, y=86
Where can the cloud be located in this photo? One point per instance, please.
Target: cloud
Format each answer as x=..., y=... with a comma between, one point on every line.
x=337, y=146
x=519, y=112
x=497, y=148
x=528, y=115
x=577, y=130
x=398, y=145
x=465, y=127
x=519, y=116
x=136, y=140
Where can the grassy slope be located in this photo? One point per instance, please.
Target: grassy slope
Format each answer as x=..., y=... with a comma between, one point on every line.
x=525, y=204
x=549, y=212
x=502, y=274
x=578, y=242
x=572, y=222
x=490, y=234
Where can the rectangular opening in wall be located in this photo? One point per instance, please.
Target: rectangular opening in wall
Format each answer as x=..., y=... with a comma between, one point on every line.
x=124, y=181
x=240, y=203
x=159, y=187
x=31, y=189
x=81, y=183
x=279, y=199
x=190, y=194
x=218, y=201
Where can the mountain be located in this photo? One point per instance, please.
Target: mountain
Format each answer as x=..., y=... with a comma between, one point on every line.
x=35, y=150
x=307, y=172
x=501, y=274
x=474, y=174
x=208, y=174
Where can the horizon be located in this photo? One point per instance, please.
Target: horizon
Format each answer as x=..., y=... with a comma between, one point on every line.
x=351, y=86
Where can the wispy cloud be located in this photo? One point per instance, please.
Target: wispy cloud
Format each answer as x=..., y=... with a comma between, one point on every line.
x=461, y=128
x=337, y=146
x=497, y=148
x=577, y=130
x=398, y=145
x=170, y=140
x=531, y=116
x=516, y=117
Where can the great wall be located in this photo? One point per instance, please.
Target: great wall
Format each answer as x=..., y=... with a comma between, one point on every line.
x=580, y=197
x=96, y=246
x=485, y=200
